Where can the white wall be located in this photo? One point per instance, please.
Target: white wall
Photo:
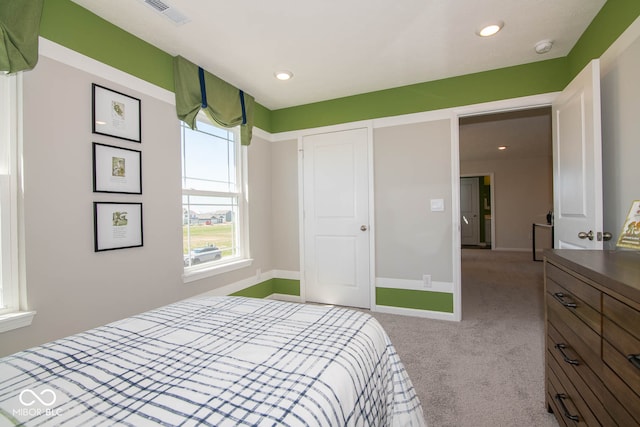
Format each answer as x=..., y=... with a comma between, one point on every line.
x=620, y=92
x=412, y=165
x=285, y=224
x=71, y=287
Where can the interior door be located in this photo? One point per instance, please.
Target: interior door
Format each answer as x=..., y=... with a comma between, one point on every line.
x=336, y=218
x=469, y=211
x=577, y=162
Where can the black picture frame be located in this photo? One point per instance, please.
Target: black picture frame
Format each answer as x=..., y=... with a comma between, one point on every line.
x=115, y=114
x=117, y=225
x=116, y=169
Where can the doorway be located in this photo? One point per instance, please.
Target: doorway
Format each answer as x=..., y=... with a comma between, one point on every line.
x=512, y=152
x=514, y=149
x=475, y=211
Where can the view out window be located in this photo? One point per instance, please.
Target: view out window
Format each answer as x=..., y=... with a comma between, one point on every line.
x=212, y=197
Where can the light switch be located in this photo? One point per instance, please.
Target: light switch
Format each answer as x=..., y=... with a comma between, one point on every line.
x=437, y=205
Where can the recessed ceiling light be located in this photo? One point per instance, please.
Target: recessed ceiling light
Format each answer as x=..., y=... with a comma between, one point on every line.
x=490, y=29
x=283, y=75
x=503, y=147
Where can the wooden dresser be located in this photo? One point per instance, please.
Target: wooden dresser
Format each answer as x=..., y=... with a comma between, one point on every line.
x=592, y=324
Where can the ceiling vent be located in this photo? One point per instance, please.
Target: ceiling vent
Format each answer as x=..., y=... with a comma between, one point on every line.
x=167, y=10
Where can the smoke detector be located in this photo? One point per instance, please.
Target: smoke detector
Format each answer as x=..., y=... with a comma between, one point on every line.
x=166, y=9
x=544, y=46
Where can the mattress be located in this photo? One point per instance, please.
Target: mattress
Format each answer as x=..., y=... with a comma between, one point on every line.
x=215, y=361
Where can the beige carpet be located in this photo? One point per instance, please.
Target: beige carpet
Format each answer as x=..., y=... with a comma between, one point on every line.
x=487, y=370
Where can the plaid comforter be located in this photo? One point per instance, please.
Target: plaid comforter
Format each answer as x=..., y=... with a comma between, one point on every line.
x=216, y=361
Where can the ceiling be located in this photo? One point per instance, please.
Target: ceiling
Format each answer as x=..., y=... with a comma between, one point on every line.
x=337, y=48
x=525, y=133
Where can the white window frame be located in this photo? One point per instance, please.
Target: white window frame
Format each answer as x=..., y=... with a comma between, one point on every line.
x=242, y=259
x=13, y=307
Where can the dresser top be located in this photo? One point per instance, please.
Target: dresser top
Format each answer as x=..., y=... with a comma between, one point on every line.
x=617, y=270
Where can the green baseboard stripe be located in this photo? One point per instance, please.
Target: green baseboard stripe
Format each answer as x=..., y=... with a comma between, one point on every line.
x=419, y=300
x=269, y=287
x=261, y=290
x=286, y=286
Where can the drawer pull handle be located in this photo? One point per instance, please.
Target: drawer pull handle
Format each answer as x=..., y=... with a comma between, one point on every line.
x=560, y=398
x=561, y=348
x=560, y=297
x=634, y=359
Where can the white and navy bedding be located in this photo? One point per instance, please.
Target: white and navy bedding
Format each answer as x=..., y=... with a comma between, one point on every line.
x=215, y=361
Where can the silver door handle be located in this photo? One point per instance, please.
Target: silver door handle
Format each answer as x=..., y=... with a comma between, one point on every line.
x=583, y=235
x=363, y=228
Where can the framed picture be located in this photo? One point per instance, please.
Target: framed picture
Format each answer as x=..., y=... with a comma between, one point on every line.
x=630, y=234
x=116, y=170
x=117, y=225
x=115, y=114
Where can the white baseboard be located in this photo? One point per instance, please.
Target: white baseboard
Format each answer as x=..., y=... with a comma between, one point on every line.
x=286, y=274
x=285, y=297
x=428, y=314
x=416, y=285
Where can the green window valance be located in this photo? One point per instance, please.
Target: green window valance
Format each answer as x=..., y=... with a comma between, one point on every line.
x=19, y=31
x=223, y=103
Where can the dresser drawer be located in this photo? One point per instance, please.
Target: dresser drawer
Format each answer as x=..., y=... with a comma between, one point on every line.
x=568, y=405
x=627, y=398
x=572, y=300
x=626, y=317
x=575, y=286
x=599, y=397
x=564, y=320
x=621, y=351
x=586, y=382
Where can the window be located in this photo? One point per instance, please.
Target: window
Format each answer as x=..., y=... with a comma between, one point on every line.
x=13, y=312
x=213, y=199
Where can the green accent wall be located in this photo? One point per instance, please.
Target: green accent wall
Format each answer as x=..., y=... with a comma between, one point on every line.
x=419, y=300
x=73, y=26
x=504, y=83
x=614, y=17
x=70, y=25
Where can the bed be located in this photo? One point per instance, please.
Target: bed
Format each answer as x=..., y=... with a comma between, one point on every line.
x=215, y=361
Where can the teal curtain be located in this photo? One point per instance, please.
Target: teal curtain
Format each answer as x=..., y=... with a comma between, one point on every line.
x=223, y=103
x=19, y=31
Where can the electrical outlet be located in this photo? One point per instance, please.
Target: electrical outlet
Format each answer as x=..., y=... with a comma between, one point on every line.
x=426, y=280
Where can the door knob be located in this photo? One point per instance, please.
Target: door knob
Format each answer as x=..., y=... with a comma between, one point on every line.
x=363, y=228
x=583, y=235
x=606, y=236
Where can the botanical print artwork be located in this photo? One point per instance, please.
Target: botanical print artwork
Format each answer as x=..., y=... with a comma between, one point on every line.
x=118, y=114
x=118, y=168
x=120, y=219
